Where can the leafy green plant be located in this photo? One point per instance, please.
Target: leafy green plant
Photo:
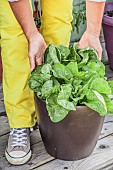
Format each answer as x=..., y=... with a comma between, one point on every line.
x=70, y=77
x=79, y=15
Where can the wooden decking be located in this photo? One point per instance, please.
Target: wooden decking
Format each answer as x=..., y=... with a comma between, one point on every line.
x=100, y=159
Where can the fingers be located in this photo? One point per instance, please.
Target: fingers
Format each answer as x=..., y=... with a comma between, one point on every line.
x=36, y=50
x=35, y=59
x=99, y=51
x=38, y=60
x=79, y=46
x=91, y=41
x=32, y=61
x=39, y=56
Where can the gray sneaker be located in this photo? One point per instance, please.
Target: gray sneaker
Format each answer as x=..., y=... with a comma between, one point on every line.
x=18, y=150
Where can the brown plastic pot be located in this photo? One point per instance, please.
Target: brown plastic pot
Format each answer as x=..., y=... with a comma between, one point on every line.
x=74, y=137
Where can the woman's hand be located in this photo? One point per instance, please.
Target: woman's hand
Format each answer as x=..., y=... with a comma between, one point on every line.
x=91, y=40
x=94, y=12
x=36, y=42
x=37, y=47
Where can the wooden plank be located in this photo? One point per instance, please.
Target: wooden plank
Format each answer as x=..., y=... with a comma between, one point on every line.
x=101, y=36
x=35, y=138
x=2, y=108
x=109, y=72
x=0, y=86
x=1, y=96
x=104, y=54
x=40, y=155
x=4, y=126
x=101, y=158
x=105, y=58
x=108, y=118
x=3, y=144
x=107, y=130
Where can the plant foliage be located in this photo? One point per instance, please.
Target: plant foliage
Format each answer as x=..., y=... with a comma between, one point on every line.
x=70, y=77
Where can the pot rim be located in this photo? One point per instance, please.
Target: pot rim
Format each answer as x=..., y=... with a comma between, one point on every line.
x=78, y=106
x=107, y=20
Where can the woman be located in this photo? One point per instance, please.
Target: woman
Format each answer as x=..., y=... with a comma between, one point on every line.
x=23, y=48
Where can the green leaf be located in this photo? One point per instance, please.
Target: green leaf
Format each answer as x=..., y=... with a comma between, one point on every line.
x=56, y=112
x=85, y=57
x=58, y=54
x=55, y=82
x=77, y=82
x=95, y=67
x=63, y=97
x=80, y=75
x=38, y=93
x=51, y=55
x=109, y=104
x=93, y=56
x=73, y=67
x=46, y=69
x=78, y=99
x=33, y=84
x=48, y=89
x=96, y=102
x=43, y=77
x=66, y=104
x=37, y=70
x=47, y=86
x=64, y=51
x=65, y=91
x=76, y=86
x=110, y=82
x=73, y=53
x=61, y=71
x=100, y=85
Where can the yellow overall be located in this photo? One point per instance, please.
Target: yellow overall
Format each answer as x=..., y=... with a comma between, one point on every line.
x=56, y=29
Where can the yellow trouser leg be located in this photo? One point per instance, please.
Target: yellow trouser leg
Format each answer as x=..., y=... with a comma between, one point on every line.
x=18, y=98
x=56, y=21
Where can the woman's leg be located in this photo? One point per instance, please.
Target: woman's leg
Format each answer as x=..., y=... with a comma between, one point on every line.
x=18, y=98
x=56, y=21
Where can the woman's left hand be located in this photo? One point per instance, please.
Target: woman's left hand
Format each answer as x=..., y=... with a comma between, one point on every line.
x=91, y=40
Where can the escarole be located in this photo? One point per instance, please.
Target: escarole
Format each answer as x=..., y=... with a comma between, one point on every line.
x=70, y=77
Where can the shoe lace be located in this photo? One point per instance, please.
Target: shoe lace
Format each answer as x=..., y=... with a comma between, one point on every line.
x=19, y=137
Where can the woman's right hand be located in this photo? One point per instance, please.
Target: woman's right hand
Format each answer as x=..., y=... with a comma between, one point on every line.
x=37, y=47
